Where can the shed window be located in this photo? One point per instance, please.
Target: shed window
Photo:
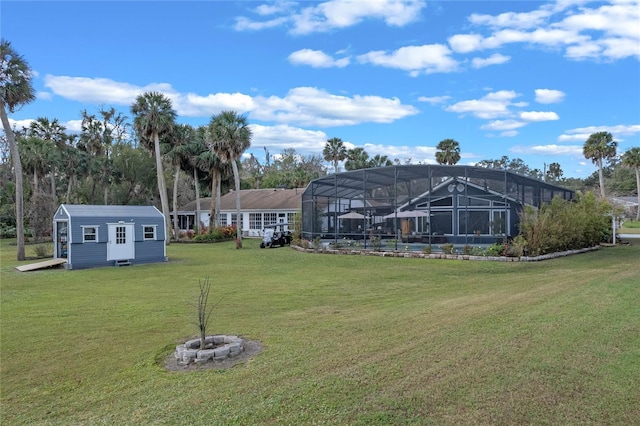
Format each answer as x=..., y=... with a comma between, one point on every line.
x=149, y=232
x=89, y=234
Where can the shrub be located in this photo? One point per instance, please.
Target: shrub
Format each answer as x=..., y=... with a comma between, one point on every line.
x=7, y=231
x=376, y=243
x=477, y=251
x=564, y=225
x=427, y=249
x=494, y=250
x=222, y=233
x=43, y=250
x=467, y=249
x=447, y=248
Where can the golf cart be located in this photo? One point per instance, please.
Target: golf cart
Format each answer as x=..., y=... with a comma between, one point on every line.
x=276, y=235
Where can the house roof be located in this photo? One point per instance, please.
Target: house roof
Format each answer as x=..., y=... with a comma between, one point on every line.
x=254, y=199
x=625, y=201
x=78, y=210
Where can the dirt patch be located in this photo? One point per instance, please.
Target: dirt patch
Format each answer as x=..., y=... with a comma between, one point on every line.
x=251, y=349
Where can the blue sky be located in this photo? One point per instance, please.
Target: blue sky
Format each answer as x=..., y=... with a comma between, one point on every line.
x=525, y=79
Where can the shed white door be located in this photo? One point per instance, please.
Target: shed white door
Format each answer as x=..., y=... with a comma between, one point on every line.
x=120, y=246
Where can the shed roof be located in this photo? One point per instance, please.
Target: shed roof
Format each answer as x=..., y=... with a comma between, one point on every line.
x=79, y=210
x=255, y=199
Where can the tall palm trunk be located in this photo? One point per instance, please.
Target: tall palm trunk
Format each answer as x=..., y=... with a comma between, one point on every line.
x=17, y=170
x=162, y=188
x=218, y=197
x=236, y=178
x=176, y=227
x=213, y=217
x=197, y=188
x=601, y=178
x=638, y=190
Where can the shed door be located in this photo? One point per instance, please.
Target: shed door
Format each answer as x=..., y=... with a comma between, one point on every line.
x=120, y=245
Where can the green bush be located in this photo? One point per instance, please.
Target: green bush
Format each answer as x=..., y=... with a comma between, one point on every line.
x=494, y=250
x=565, y=225
x=43, y=250
x=427, y=249
x=7, y=231
x=222, y=233
x=467, y=249
x=447, y=248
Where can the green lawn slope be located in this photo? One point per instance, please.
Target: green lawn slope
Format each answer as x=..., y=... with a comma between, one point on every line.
x=346, y=340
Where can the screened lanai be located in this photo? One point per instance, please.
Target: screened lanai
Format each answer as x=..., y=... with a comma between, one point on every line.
x=422, y=204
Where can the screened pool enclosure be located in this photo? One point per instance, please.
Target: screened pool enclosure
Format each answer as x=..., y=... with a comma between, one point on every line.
x=429, y=204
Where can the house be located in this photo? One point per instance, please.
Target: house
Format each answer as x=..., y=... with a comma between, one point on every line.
x=258, y=208
x=89, y=235
x=422, y=203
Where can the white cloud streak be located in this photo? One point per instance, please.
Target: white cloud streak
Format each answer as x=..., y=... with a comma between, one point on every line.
x=316, y=59
x=301, y=105
x=331, y=15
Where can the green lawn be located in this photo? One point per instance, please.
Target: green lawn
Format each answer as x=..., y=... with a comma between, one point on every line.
x=630, y=227
x=347, y=340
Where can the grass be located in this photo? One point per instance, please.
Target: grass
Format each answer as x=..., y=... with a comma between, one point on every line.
x=630, y=227
x=347, y=340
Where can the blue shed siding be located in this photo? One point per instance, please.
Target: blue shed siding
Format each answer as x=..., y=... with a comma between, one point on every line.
x=92, y=254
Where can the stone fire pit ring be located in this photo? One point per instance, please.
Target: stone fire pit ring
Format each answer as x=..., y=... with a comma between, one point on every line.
x=217, y=348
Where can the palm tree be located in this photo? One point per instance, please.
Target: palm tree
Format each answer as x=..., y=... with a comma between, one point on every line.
x=380, y=161
x=229, y=136
x=554, y=173
x=631, y=159
x=183, y=134
x=16, y=90
x=448, y=152
x=154, y=117
x=357, y=158
x=600, y=146
x=335, y=151
x=53, y=133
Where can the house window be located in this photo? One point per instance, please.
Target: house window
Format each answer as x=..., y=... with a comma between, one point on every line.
x=473, y=222
x=291, y=218
x=255, y=220
x=270, y=218
x=89, y=234
x=149, y=232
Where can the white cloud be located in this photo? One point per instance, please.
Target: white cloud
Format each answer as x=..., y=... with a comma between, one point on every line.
x=538, y=116
x=425, y=59
x=581, y=134
x=549, y=96
x=503, y=125
x=301, y=105
x=434, y=100
x=316, y=59
x=282, y=136
x=73, y=126
x=274, y=8
x=20, y=124
x=465, y=43
x=312, y=106
x=575, y=150
x=494, y=59
x=329, y=15
x=524, y=20
x=493, y=105
x=609, y=31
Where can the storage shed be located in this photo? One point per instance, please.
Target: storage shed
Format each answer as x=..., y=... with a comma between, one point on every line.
x=89, y=235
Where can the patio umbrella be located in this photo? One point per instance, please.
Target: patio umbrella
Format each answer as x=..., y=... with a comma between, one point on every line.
x=407, y=213
x=351, y=215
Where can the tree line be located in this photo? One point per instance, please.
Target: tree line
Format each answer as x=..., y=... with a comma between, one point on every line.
x=116, y=161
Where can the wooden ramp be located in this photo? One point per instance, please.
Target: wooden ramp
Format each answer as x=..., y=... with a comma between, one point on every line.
x=41, y=265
